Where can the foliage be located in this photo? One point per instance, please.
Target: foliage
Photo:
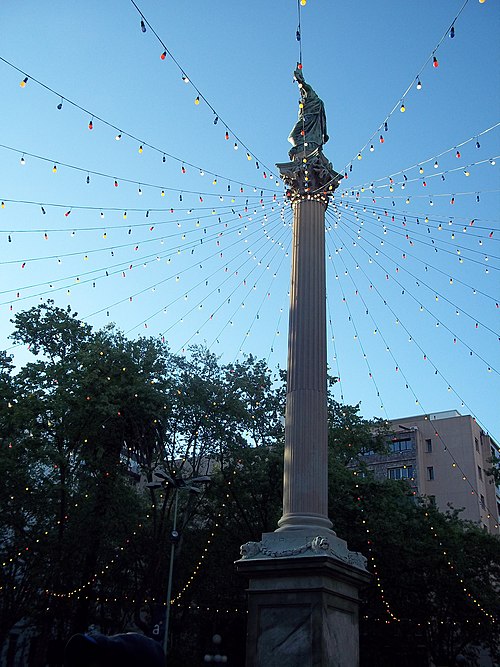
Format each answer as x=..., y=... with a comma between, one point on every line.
x=95, y=417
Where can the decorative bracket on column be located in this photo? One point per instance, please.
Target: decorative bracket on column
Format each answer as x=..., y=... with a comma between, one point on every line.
x=310, y=176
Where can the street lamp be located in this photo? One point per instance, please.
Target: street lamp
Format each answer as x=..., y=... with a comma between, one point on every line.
x=178, y=484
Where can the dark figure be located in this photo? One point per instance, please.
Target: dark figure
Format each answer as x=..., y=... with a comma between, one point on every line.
x=128, y=650
x=309, y=132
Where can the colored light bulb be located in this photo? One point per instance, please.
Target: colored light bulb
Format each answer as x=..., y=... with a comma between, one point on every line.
x=54, y=168
x=402, y=108
x=466, y=172
x=435, y=62
x=249, y=157
x=163, y=55
x=197, y=100
x=143, y=26
x=24, y=82
x=381, y=139
x=421, y=170
x=360, y=156
x=164, y=159
x=141, y=149
x=227, y=135
x=116, y=184
x=457, y=154
x=183, y=169
x=91, y=125
x=478, y=145
x=303, y=2
x=60, y=105
x=452, y=31
x=162, y=193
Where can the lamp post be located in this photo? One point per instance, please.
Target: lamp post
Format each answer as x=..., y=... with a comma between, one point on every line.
x=178, y=484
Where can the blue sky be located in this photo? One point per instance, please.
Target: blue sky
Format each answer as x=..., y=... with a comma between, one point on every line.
x=412, y=277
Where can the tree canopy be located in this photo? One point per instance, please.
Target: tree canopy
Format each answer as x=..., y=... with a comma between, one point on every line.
x=85, y=540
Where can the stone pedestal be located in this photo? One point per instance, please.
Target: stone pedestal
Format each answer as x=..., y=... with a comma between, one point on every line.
x=302, y=611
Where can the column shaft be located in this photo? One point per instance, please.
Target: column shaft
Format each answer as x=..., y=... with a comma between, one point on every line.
x=305, y=483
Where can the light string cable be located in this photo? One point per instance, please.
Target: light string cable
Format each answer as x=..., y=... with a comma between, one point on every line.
x=355, y=328
x=449, y=30
x=436, y=293
x=122, y=267
x=453, y=569
x=187, y=270
x=399, y=321
x=427, y=240
x=69, y=208
x=422, y=179
x=127, y=228
x=361, y=221
x=120, y=133
x=189, y=245
x=227, y=298
x=256, y=316
x=217, y=117
x=411, y=218
x=334, y=344
x=355, y=220
x=118, y=180
x=434, y=158
x=446, y=447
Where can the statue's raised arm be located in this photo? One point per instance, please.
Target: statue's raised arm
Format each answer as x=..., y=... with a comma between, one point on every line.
x=309, y=132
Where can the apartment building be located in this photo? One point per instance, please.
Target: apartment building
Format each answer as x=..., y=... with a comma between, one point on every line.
x=444, y=456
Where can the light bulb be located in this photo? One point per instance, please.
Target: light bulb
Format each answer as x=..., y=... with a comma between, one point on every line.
x=249, y=157
x=436, y=164
x=227, y=135
x=139, y=191
x=88, y=179
x=143, y=26
x=118, y=137
x=116, y=184
x=91, y=125
x=402, y=108
x=235, y=146
x=419, y=84
x=372, y=148
x=360, y=157
x=492, y=162
x=163, y=55
x=216, y=120
x=141, y=149
x=385, y=126
x=164, y=159
x=197, y=100
x=125, y=215
x=381, y=139
x=162, y=193
x=54, y=168
x=102, y=215
x=457, y=154
x=435, y=62
x=303, y=2
x=421, y=170
x=478, y=145
x=185, y=79
x=24, y=82
x=466, y=172
x=60, y=105
x=22, y=160
x=183, y=169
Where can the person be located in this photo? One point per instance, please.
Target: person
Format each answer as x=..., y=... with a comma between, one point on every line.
x=309, y=132
x=123, y=650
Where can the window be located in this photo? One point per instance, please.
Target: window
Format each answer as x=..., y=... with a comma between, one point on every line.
x=476, y=442
x=400, y=444
x=430, y=473
x=483, y=504
x=403, y=472
x=479, y=472
x=428, y=445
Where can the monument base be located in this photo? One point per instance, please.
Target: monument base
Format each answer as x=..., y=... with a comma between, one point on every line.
x=302, y=607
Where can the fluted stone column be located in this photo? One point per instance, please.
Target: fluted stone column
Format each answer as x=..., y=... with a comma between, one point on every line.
x=304, y=583
x=305, y=481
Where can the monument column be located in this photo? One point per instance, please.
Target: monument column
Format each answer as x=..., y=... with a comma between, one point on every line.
x=304, y=583
x=305, y=479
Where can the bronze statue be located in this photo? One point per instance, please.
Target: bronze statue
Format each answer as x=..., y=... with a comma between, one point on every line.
x=309, y=132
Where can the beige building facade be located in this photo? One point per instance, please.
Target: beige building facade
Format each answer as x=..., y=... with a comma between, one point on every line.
x=445, y=457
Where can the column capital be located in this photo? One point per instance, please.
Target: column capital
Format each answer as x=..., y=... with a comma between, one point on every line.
x=309, y=176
